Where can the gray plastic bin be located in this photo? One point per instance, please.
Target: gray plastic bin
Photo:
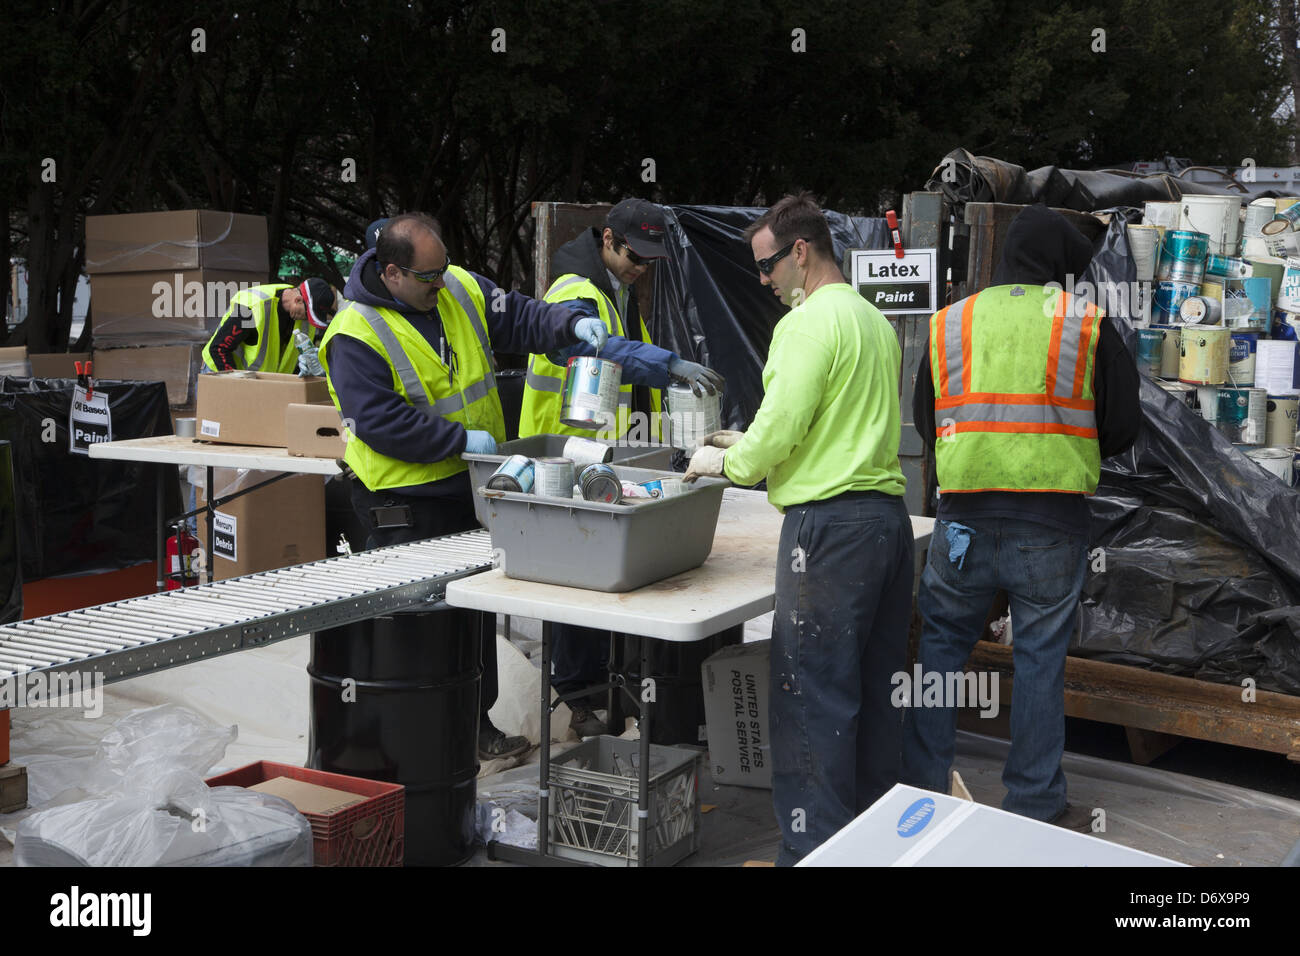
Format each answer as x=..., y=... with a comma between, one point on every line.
x=602, y=547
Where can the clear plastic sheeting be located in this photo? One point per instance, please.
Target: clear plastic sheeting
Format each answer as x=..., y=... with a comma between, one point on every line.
x=709, y=305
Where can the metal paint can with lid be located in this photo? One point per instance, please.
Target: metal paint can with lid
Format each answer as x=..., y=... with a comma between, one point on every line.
x=1283, y=411
x=1169, y=298
x=1243, y=415
x=1150, y=348
x=514, y=474
x=1278, y=462
x=586, y=451
x=1169, y=356
x=1201, y=310
x=666, y=487
x=1258, y=214
x=1241, y=358
x=590, y=398
x=1182, y=256
x=553, y=477
x=1203, y=355
x=599, y=483
x=691, y=416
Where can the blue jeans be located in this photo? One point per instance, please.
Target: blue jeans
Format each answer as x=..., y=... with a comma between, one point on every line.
x=843, y=603
x=1042, y=570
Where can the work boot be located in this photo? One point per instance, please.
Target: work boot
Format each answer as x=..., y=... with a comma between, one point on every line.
x=584, y=721
x=1073, y=818
x=493, y=744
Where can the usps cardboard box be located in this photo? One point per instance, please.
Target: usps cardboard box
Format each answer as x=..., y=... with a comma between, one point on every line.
x=175, y=365
x=162, y=308
x=248, y=408
x=736, y=705
x=56, y=364
x=13, y=361
x=314, y=431
x=175, y=241
x=909, y=826
x=273, y=527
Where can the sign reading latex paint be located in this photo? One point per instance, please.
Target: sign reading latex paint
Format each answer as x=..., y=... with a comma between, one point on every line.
x=225, y=536
x=90, y=421
x=896, y=286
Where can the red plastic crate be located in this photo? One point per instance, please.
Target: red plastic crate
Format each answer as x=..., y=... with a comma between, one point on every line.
x=371, y=833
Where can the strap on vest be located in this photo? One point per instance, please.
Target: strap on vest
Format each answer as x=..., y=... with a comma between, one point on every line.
x=264, y=335
x=462, y=296
x=574, y=280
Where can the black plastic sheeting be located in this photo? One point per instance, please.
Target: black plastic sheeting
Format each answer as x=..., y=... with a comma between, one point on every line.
x=77, y=514
x=11, y=579
x=709, y=305
x=1199, y=573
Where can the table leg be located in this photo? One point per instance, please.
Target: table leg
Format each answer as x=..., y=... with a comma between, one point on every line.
x=207, y=564
x=543, y=783
x=160, y=475
x=643, y=775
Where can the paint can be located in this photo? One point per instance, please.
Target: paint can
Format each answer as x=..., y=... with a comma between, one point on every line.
x=667, y=487
x=514, y=474
x=1144, y=245
x=1228, y=267
x=1169, y=298
x=585, y=451
x=1275, y=367
x=1150, y=350
x=1254, y=315
x=1200, y=310
x=1276, y=461
x=1182, y=256
x=1207, y=400
x=1258, y=213
x=553, y=477
x=1254, y=247
x=1218, y=217
x=591, y=393
x=1271, y=268
x=1162, y=214
x=1241, y=358
x=1287, y=208
x=1243, y=415
x=599, y=483
x=1203, y=355
x=1183, y=392
x=691, y=416
x=1279, y=239
x=1283, y=415
x=1169, y=354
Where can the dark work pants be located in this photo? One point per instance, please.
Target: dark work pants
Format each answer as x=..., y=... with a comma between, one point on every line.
x=430, y=518
x=579, y=658
x=843, y=605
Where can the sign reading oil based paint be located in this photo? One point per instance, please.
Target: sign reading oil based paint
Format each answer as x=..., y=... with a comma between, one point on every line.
x=896, y=286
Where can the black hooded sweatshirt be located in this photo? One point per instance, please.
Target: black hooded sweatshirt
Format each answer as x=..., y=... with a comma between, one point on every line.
x=1042, y=247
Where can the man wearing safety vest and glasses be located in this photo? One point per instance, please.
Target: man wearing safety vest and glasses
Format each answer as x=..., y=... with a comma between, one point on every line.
x=257, y=331
x=1026, y=390
x=595, y=274
x=410, y=367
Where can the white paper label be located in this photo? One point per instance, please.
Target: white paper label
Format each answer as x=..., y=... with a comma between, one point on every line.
x=225, y=536
x=210, y=428
x=90, y=421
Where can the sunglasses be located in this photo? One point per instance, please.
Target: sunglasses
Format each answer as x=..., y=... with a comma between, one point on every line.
x=433, y=275
x=765, y=266
x=632, y=257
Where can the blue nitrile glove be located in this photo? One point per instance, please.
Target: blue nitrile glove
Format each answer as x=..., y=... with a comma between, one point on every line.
x=699, y=378
x=480, y=443
x=593, y=332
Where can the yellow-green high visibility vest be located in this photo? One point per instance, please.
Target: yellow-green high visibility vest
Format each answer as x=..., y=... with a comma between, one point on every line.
x=466, y=393
x=1014, y=406
x=268, y=353
x=544, y=382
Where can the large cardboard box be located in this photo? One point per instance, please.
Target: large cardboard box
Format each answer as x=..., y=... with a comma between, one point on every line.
x=57, y=364
x=736, y=707
x=314, y=431
x=13, y=361
x=176, y=365
x=145, y=308
x=176, y=241
x=273, y=527
x=248, y=408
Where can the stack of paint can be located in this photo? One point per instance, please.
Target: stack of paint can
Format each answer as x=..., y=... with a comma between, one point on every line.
x=1179, y=272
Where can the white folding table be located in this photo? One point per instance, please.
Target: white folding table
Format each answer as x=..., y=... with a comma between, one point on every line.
x=735, y=584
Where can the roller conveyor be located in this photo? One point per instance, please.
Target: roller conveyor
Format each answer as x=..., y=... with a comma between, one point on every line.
x=127, y=638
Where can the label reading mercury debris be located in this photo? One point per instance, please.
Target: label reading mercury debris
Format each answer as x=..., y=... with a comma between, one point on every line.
x=225, y=538
x=90, y=421
x=896, y=286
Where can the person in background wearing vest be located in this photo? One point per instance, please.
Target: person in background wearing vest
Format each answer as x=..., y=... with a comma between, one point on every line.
x=826, y=439
x=1026, y=391
x=410, y=367
x=594, y=274
x=247, y=339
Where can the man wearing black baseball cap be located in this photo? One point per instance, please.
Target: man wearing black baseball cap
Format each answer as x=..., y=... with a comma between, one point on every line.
x=256, y=333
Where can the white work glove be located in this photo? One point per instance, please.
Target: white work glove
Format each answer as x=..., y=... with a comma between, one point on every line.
x=699, y=378
x=721, y=439
x=706, y=461
x=593, y=332
x=480, y=443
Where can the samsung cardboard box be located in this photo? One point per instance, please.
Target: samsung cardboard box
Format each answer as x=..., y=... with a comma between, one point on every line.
x=314, y=431
x=248, y=408
x=273, y=527
x=736, y=703
x=176, y=241
x=913, y=827
x=145, y=308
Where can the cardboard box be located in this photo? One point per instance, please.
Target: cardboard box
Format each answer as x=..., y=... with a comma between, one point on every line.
x=176, y=241
x=309, y=797
x=13, y=361
x=248, y=408
x=176, y=365
x=146, y=308
x=736, y=707
x=273, y=527
x=57, y=364
x=13, y=788
x=314, y=431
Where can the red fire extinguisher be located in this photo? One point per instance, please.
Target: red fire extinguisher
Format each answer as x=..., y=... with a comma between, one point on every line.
x=180, y=562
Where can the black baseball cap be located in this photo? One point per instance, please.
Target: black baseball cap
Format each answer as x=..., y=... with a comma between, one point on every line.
x=642, y=224
x=373, y=230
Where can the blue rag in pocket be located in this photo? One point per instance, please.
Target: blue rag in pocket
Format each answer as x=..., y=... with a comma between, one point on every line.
x=958, y=541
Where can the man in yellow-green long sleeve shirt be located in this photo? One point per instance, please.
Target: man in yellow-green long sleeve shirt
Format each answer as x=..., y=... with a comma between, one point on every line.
x=826, y=440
